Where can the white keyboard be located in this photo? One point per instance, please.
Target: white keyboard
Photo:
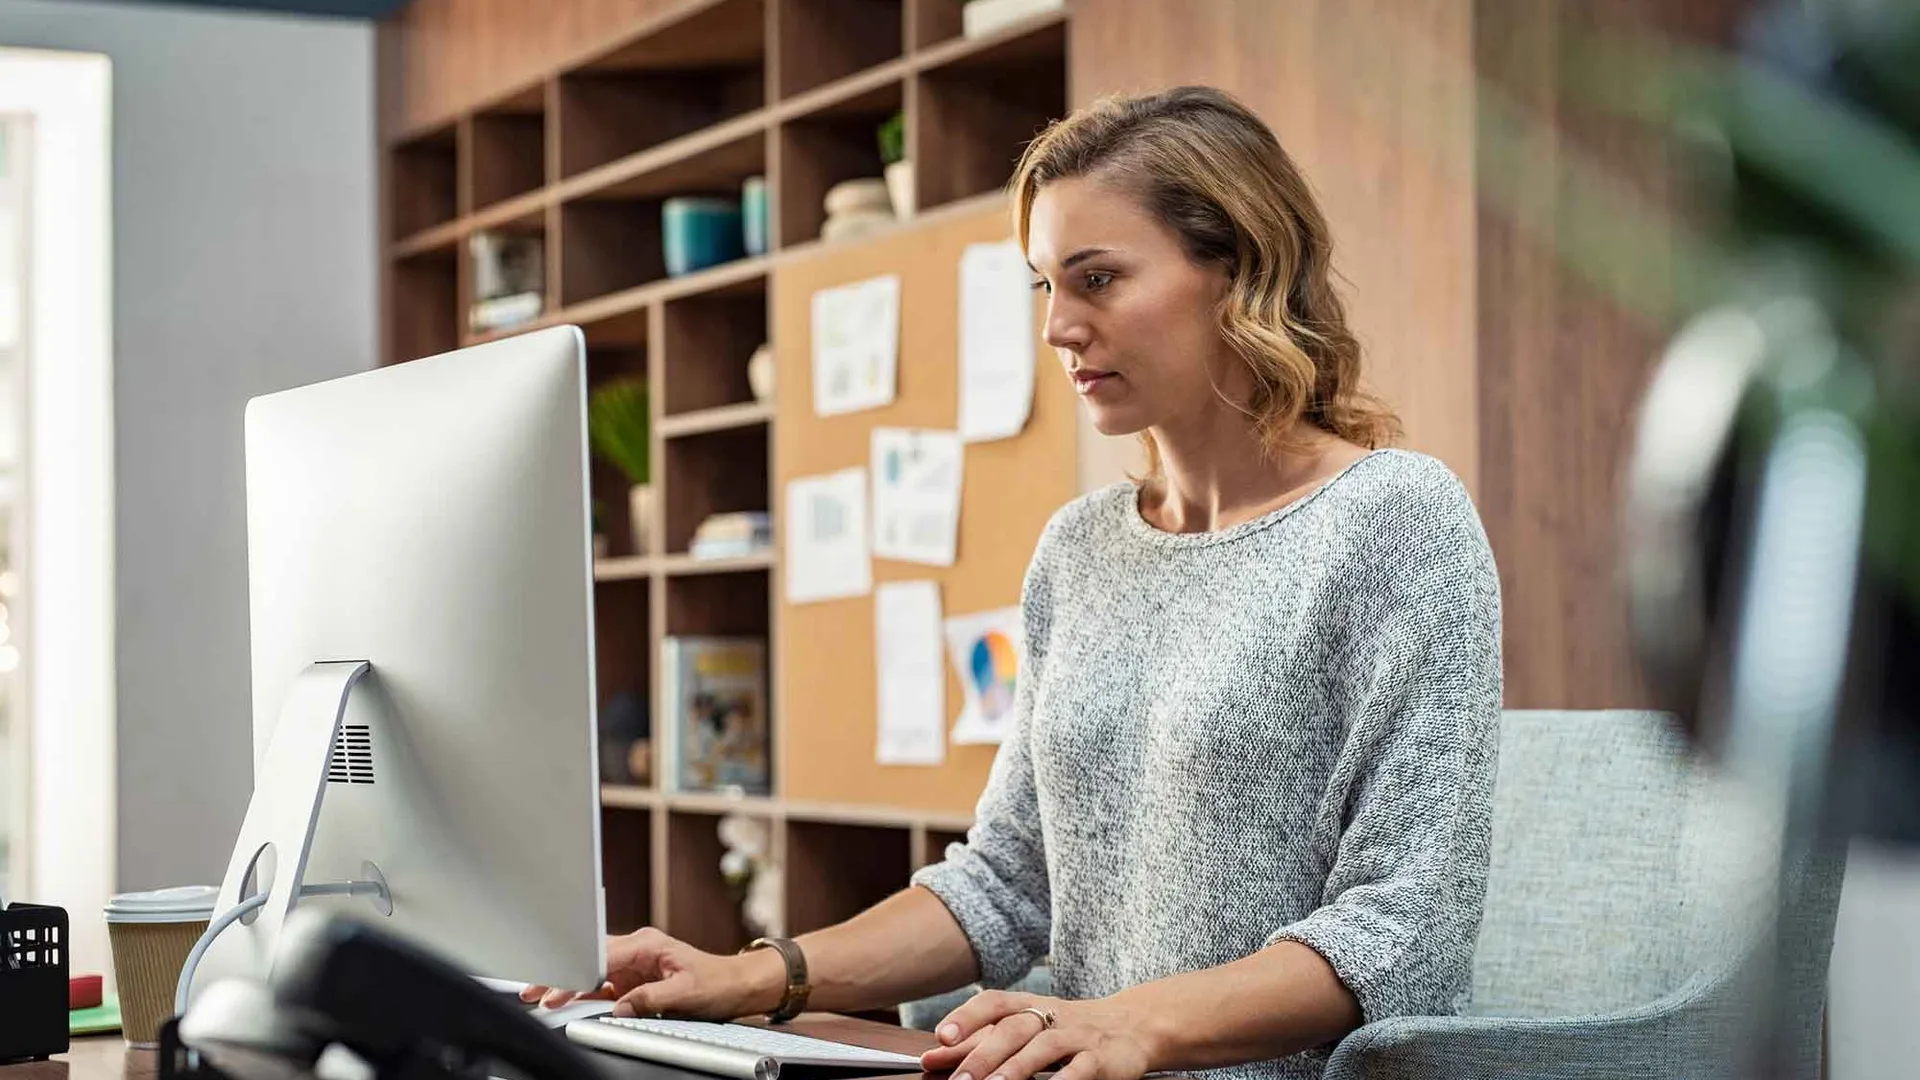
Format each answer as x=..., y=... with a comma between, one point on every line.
x=737, y=1050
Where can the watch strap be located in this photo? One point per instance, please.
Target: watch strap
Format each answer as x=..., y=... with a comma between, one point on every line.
x=794, y=1001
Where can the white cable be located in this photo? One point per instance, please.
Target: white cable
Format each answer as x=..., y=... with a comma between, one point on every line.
x=240, y=910
x=228, y=918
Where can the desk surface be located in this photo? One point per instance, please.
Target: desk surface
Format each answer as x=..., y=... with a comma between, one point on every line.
x=106, y=1057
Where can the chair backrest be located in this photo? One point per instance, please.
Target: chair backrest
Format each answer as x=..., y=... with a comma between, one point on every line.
x=1622, y=867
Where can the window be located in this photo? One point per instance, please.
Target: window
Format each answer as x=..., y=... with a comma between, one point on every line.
x=14, y=133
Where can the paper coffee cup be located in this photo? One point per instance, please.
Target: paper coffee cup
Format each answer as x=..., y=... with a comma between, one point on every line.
x=151, y=934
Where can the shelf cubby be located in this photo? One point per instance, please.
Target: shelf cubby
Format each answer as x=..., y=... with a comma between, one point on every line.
x=975, y=111
x=838, y=141
x=821, y=41
x=698, y=71
x=507, y=149
x=622, y=642
x=423, y=184
x=718, y=605
x=607, y=245
x=931, y=22
x=939, y=839
x=626, y=867
x=836, y=870
x=426, y=316
x=708, y=340
x=702, y=909
x=711, y=473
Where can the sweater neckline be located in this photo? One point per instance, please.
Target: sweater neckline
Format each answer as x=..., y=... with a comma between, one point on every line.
x=1138, y=525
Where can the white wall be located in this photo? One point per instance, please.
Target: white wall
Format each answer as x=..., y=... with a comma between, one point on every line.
x=244, y=262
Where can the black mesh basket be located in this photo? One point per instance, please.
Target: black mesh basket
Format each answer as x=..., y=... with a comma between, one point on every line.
x=33, y=982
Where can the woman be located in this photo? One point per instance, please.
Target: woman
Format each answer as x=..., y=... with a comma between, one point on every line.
x=1245, y=806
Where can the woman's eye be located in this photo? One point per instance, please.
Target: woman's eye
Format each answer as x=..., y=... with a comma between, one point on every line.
x=1040, y=285
x=1098, y=280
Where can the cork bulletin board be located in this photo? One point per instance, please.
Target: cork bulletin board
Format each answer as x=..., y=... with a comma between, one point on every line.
x=826, y=683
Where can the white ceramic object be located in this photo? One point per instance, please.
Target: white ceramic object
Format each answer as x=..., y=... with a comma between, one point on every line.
x=760, y=374
x=982, y=17
x=859, y=223
x=853, y=196
x=900, y=188
x=644, y=513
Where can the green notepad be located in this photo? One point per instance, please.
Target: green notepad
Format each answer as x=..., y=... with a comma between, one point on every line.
x=98, y=1020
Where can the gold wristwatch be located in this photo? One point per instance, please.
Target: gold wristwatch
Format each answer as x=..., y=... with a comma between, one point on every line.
x=794, y=1001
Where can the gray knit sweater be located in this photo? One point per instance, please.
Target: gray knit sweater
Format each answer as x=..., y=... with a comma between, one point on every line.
x=1281, y=731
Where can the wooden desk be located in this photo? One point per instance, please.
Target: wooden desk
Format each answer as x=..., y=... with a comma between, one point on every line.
x=106, y=1057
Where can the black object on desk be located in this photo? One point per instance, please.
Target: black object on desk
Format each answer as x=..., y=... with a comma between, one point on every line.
x=33, y=982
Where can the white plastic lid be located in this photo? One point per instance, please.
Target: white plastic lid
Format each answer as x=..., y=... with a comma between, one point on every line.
x=184, y=903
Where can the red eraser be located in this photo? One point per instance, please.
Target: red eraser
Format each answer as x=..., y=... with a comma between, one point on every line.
x=83, y=992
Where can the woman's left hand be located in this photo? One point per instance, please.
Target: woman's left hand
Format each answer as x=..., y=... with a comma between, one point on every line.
x=991, y=1037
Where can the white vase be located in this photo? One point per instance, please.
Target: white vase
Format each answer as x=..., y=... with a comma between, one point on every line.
x=644, y=513
x=900, y=188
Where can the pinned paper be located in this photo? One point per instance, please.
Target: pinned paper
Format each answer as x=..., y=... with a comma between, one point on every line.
x=996, y=341
x=916, y=495
x=826, y=527
x=856, y=345
x=985, y=649
x=913, y=679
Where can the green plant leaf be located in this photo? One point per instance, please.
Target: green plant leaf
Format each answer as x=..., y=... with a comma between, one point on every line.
x=893, y=138
x=620, y=427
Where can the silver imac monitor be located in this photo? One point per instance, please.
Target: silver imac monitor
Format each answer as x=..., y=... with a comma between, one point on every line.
x=421, y=592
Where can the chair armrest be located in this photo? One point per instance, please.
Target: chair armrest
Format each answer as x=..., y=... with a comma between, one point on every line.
x=1691, y=1033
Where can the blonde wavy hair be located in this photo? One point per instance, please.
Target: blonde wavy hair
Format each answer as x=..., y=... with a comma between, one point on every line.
x=1204, y=164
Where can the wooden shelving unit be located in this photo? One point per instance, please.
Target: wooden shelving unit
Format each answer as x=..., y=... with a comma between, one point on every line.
x=696, y=101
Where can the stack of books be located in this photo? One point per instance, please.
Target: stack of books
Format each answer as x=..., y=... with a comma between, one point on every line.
x=729, y=536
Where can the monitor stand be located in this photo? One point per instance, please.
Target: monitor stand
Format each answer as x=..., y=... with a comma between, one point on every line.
x=277, y=835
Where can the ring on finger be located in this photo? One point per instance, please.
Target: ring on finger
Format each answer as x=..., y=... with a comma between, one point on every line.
x=1047, y=1019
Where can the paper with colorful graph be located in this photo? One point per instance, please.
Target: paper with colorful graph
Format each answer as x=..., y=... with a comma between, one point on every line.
x=985, y=649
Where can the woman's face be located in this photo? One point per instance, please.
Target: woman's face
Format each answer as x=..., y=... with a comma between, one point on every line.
x=1130, y=316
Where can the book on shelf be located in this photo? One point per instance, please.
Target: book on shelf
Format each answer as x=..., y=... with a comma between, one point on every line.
x=716, y=734
x=509, y=280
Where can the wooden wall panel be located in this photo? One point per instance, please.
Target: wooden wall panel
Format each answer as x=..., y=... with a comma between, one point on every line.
x=1370, y=98
x=1562, y=365
x=438, y=57
x=1503, y=363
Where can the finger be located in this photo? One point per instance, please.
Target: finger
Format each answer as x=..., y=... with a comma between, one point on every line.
x=946, y=1057
x=662, y=998
x=553, y=999
x=1040, y=1052
x=532, y=993
x=987, y=1007
x=997, y=1045
x=1084, y=1066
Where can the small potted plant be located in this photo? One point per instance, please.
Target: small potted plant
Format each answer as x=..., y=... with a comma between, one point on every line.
x=620, y=426
x=893, y=153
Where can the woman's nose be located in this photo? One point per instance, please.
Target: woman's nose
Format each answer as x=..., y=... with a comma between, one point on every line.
x=1065, y=329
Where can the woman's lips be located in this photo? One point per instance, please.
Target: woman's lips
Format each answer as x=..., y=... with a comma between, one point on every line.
x=1086, y=378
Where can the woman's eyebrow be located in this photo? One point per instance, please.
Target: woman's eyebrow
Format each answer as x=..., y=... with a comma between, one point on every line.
x=1077, y=257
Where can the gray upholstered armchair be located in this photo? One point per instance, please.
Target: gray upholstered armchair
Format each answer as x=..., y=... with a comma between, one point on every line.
x=1625, y=908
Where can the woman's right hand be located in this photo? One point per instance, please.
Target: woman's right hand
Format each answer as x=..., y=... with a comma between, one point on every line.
x=649, y=973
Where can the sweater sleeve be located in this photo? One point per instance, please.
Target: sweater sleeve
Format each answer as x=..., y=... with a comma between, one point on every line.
x=1404, y=827
x=996, y=883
